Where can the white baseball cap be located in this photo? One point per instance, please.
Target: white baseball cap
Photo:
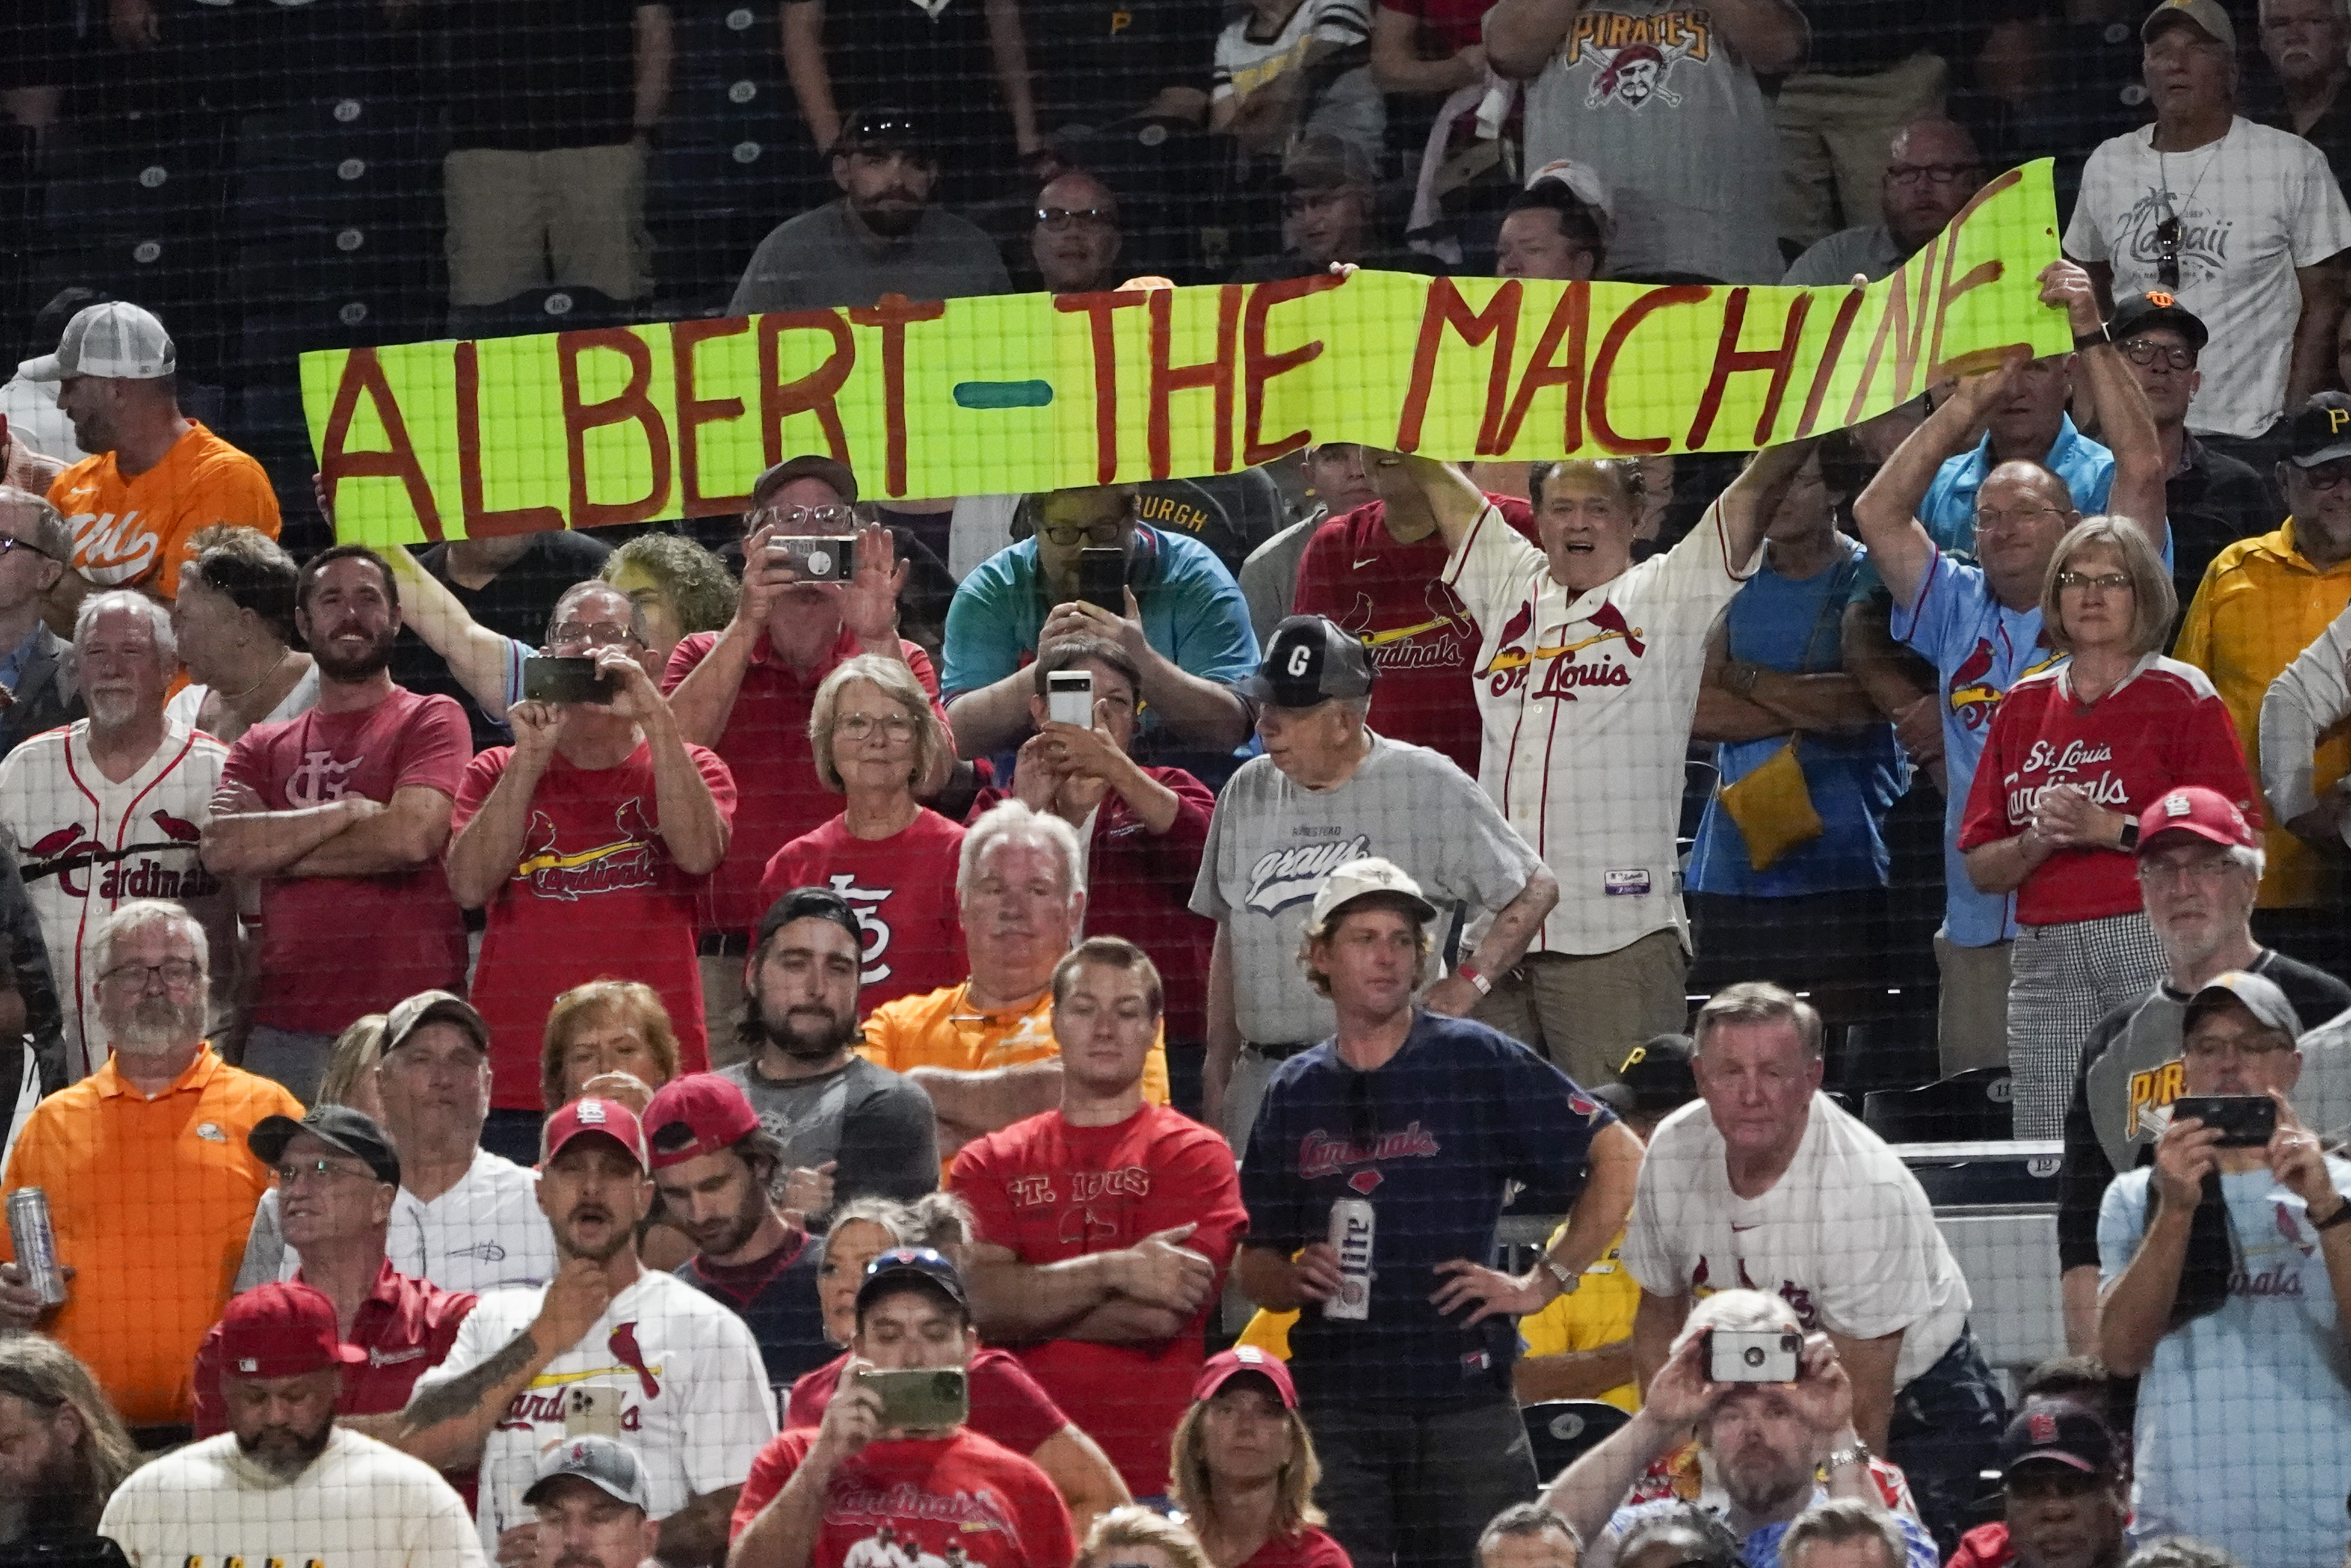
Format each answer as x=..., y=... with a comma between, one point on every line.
x=1359, y=879
x=116, y=339
x=1582, y=180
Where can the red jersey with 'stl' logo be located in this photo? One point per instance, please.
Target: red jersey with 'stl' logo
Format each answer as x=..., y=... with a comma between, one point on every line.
x=594, y=894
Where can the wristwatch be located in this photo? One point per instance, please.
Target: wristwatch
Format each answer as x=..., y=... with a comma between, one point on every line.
x=2087, y=341
x=2342, y=1216
x=2128, y=842
x=1567, y=1280
x=1858, y=1454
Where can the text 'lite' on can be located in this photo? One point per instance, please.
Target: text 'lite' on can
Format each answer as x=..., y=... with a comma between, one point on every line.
x=1350, y=1238
x=36, y=1241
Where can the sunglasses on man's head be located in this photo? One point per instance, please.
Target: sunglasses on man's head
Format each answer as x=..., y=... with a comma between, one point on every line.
x=2167, y=252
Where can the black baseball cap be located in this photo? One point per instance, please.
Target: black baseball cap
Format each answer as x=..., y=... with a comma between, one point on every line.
x=879, y=130
x=353, y=1132
x=2322, y=429
x=2057, y=1432
x=1308, y=662
x=809, y=904
x=2135, y=313
x=921, y=1266
x=1659, y=1073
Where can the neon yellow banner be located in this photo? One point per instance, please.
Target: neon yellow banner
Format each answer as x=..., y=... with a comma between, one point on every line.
x=1026, y=392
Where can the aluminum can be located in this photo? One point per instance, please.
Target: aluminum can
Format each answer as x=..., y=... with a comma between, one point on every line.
x=36, y=1240
x=1351, y=1230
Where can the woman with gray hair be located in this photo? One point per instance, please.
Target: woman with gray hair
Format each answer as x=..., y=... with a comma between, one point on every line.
x=874, y=738
x=2076, y=752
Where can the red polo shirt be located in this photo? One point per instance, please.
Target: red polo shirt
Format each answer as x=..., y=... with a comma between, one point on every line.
x=778, y=794
x=406, y=1325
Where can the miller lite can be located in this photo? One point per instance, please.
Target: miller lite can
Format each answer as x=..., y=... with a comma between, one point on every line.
x=1350, y=1238
x=36, y=1244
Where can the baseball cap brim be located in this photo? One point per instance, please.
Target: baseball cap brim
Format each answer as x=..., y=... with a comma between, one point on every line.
x=446, y=1006
x=2054, y=1456
x=43, y=368
x=1221, y=1371
x=2329, y=453
x=1420, y=908
x=272, y=1135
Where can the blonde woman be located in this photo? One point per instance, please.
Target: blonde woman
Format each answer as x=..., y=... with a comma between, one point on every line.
x=612, y=1035
x=1242, y=1469
x=1134, y=1537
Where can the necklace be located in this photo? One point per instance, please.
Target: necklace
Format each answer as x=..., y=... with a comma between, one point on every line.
x=240, y=696
x=2163, y=171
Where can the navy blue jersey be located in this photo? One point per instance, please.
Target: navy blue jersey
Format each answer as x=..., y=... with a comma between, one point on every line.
x=776, y=1298
x=1428, y=1140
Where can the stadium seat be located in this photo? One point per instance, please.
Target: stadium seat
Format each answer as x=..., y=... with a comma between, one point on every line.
x=1971, y=1107
x=1892, y=1052
x=1563, y=1430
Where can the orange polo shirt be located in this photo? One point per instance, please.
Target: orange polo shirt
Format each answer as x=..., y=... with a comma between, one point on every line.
x=152, y=1200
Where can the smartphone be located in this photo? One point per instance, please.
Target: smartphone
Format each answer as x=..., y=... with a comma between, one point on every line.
x=564, y=678
x=1764, y=1355
x=592, y=1412
x=919, y=1397
x=1069, y=697
x=2246, y=1121
x=816, y=557
x=1102, y=577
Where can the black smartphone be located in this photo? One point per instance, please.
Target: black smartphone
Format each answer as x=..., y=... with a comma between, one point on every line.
x=1102, y=577
x=564, y=678
x=2246, y=1121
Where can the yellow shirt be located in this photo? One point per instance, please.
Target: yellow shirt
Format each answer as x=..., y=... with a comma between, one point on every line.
x=2260, y=603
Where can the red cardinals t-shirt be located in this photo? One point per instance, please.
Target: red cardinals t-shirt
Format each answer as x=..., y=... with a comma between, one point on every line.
x=336, y=947
x=951, y=1501
x=1310, y=1547
x=1422, y=636
x=1007, y=1404
x=1049, y=1191
x=2164, y=727
x=903, y=888
x=594, y=895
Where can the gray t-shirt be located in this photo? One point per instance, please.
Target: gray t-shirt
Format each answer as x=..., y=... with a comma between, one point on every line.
x=1273, y=842
x=826, y=257
x=1831, y=262
x=879, y=1127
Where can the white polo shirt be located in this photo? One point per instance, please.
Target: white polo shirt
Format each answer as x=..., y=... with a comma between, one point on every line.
x=1587, y=705
x=360, y=1504
x=484, y=1234
x=682, y=1372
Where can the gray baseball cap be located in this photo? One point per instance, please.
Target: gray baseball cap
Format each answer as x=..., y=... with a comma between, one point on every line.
x=2256, y=994
x=609, y=1466
x=116, y=339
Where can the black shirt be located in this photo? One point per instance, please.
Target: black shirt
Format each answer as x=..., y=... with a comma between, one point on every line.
x=515, y=603
x=2330, y=132
x=2215, y=500
x=534, y=75
x=1100, y=61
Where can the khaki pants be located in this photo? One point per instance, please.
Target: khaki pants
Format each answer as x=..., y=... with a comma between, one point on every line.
x=574, y=216
x=1834, y=132
x=1972, y=1017
x=1587, y=1011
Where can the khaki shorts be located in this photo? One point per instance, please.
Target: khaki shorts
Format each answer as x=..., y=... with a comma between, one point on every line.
x=1587, y=1011
x=574, y=216
x=1971, y=1015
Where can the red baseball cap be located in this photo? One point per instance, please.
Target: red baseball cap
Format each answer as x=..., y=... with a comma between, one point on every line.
x=1225, y=1365
x=2192, y=809
x=603, y=1118
x=701, y=1114
x=283, y=1330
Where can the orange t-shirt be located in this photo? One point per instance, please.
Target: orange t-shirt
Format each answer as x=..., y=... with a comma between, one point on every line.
x=151, y=1201
x=135, y=533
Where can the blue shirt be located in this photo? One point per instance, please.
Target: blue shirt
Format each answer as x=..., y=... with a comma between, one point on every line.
x=1853, y=777
x=1193, y=613
x=1429, y=1139
x=1761, y=1547
x=2244, y=1415
x=12, y=668
x=1948, y=511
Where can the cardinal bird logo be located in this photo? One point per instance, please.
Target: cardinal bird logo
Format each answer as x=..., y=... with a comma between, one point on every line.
x=178, y=828
x=1974, y=696
x=624, y=1346
x=1608, y=618
x=1508, y=654
x=628, y=861
x=2291, y=1228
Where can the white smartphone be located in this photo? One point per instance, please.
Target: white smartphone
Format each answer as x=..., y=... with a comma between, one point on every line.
x=589, y=1411
x=1069, y=697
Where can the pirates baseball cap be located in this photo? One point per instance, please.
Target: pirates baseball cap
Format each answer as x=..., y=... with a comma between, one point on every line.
x=1308, y=662
x=116, y=339
x=700, y=1113
x=923, y=1266
x=353, y=1132
x=1244, y=1360
x=877, y=130
x=413, y=1013
x=2193, y=809
x=605, y=1463
x=2057, y=1432
x=1362, y=879
x=2205, y=17
x=807, y=465
x=2259, y=995
x=2135, y=313
x=597, y=1117
x=283, y=1330
x=2321, y=431
x=1659, y=1073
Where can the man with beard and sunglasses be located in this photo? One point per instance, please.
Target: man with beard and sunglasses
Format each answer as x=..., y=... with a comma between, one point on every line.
x=343, y=814
x=150, y=1181
x=284, y=1483
x=609, y=1347
x=713, y=1166
x=109, y=808
x=847, y=1127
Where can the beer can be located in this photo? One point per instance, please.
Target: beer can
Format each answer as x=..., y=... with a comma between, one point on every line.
x=36, y=1241
x=1351, y=1228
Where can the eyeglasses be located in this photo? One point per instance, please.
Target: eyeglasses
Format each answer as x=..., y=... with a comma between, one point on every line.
x=290, y=1173
x=2167, y=252
x=1910, y=175
x=1102, y=533
x=177, y=974
x=1062, y=217
x=11, y=542
x=830, y=519
x=2147, y=351
x=2326, y=477
x=857, y=725
x=2219, y=1049
x=2023, y=518
x=2105, y=582
x=599, y=635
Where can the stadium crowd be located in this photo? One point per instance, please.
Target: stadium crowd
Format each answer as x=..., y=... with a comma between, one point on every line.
x=582, y=1049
